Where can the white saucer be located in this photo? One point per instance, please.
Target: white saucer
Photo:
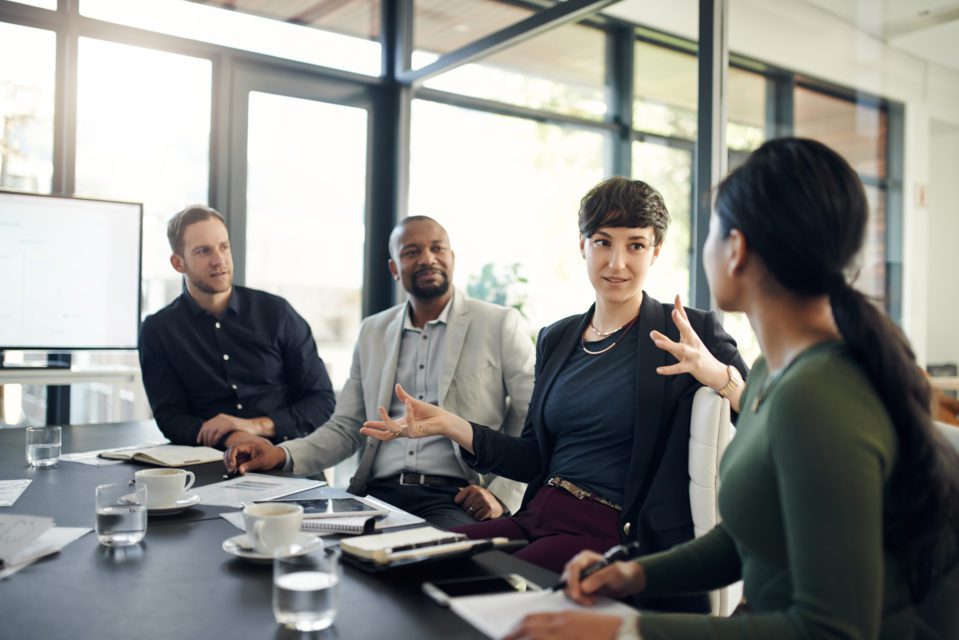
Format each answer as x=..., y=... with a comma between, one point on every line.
x=185, y=501
x=241, y=547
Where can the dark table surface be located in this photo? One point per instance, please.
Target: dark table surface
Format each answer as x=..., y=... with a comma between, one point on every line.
x=179, y=583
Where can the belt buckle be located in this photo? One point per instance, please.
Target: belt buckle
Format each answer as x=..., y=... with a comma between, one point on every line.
x=405, y=482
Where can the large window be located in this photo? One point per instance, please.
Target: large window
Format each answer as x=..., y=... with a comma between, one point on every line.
x=501, y=149
x=306, y=192
x=508, y=192
x=669, y=170
x=26, y=107
x=858, y=131
x=341, y=35
x=143, y=134
x=562, y=70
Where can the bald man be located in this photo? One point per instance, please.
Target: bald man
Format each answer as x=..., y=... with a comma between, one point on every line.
x=467, y=356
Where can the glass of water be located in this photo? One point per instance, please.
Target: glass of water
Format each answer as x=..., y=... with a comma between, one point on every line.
x=306, y=589
x=121, y=514
x=43, y=446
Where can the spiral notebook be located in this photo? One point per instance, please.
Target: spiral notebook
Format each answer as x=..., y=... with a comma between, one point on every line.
x=352, y=525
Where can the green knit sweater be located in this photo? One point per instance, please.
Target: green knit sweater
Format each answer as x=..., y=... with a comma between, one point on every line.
x=801, y=497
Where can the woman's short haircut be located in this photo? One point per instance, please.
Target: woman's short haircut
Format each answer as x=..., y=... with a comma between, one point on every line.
x=621, y=202
x=183, y=219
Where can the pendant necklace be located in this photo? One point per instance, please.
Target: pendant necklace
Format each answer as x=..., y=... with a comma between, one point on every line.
x=604, y=334
x=625, y=329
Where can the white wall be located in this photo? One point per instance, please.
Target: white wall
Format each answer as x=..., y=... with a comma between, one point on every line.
x=943, y=252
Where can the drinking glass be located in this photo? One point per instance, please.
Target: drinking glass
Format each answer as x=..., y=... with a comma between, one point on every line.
x=121, y=514
x=43, y=446
x=306, y=589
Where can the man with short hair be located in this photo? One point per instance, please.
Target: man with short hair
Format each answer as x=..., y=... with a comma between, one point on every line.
x=465, y=355
x=224, y=363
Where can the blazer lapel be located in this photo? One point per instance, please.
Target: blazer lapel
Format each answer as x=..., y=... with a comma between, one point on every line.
x=457, y=326
x=650, y=394
x=384, y=395
x=391, y=347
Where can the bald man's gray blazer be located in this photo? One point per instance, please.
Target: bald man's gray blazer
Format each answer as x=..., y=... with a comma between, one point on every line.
x=487, y=378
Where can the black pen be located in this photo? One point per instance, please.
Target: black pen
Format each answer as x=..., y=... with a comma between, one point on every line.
x=613, y=554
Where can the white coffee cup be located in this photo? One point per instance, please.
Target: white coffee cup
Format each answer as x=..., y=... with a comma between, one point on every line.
x=271, y=525
x=164, y=486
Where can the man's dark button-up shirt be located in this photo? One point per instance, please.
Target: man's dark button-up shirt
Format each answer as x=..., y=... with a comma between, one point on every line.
x=258, y=359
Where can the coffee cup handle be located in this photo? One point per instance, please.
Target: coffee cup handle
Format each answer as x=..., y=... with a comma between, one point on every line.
x=256, y=533
x=191, y=478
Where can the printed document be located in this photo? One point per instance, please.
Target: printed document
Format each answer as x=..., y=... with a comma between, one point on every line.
x=17, y=532
x=252, y=487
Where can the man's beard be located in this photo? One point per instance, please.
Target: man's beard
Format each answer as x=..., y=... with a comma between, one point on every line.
x=200, y=285
x=428, y=293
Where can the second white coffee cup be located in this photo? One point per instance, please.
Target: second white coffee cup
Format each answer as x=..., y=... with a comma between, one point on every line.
x=164, y=486
x=272, y=525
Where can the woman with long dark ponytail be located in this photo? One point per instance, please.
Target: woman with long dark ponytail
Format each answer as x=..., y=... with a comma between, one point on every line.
x=840, y=502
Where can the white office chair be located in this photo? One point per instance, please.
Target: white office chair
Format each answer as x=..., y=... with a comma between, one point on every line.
x=710, y=430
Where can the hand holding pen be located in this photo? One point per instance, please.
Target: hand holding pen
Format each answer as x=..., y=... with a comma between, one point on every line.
x=620, y=580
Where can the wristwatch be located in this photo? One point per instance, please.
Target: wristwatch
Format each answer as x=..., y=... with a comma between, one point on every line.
x=629, y=629
x=735, y=381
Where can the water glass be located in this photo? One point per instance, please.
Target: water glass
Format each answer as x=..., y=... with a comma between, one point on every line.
x=43, y=446
x=306, y=589
x=121, y=514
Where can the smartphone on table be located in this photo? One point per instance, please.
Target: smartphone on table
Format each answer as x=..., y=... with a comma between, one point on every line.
x=442, y=590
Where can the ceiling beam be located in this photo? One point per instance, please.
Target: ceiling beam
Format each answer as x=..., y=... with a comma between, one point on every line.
x=922, y=20
x=562, y=13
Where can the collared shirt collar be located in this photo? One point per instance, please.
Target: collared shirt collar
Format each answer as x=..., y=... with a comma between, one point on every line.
x=443, y=317
x=233, y=305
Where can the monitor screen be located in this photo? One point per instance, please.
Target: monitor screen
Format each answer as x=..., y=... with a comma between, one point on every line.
x=70, y=272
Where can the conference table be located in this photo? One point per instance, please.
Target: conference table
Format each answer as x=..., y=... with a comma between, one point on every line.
x=178, y=582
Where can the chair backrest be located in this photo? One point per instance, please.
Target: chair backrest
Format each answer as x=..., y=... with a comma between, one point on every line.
x=949, y=432
x=710, y=431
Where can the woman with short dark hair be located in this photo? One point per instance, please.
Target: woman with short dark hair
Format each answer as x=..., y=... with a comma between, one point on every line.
x=840, y=502
x=605, y=446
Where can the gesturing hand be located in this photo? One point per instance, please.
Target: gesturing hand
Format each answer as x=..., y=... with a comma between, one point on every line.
x=693, y=356
x=421, y=420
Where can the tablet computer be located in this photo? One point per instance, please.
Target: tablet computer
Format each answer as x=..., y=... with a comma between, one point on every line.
x=336, y=507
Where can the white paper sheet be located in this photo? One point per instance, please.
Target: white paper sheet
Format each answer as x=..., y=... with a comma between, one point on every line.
x=10, y=490
x=496, y=615
x=51, y=541
x=92, y=457
x=18, y=531
x=252, y=487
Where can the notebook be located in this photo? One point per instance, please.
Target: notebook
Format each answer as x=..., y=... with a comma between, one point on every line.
x=409, y=544
x=166, y=455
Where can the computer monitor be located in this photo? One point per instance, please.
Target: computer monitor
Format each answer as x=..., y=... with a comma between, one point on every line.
x=69, y=272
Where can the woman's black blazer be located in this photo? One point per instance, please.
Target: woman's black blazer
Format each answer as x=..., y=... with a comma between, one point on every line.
x=656, y=508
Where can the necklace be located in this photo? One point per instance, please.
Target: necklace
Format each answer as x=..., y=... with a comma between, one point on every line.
x=625, y=329
x=603, y=334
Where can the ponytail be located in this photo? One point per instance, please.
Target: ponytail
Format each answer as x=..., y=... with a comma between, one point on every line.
x=802, y=209
x=923, y=496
